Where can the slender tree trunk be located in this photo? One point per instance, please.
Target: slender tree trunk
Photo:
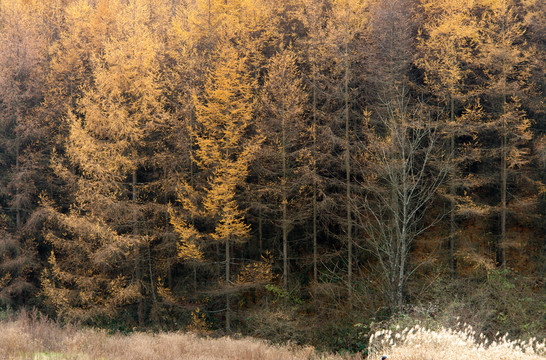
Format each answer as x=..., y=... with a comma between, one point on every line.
x=17, y=188
x=348, y=170
x=192, y=182
x=165, y=201
x=228, y=271
x=260, y=230
x=194, y=277
x=170, y=277
x=138, y=269
x=504, y=176
x=452, y=223
x=284, y=209
x=315, y=270
x=152, y=287
x=18, y=106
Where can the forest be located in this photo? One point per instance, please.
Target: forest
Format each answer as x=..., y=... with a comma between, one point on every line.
x=296, y=170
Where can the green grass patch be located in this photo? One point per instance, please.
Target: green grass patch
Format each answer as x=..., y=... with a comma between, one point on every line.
x=50, y=355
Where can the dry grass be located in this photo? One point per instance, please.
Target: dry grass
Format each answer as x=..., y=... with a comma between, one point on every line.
x=29, y=337
x=418, y=343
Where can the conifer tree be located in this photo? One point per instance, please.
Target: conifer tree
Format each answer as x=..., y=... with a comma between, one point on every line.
x=324, y=77
x=23, y=54
x=282, y=124
x=447, y=45
x=506, y=62
x=22, y=63
x=346, y=23
x=98, y=261
x=312, y=19
x=18, y=262
x=223, y=152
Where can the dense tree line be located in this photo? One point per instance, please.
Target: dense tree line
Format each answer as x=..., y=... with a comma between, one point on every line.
x=167, y=159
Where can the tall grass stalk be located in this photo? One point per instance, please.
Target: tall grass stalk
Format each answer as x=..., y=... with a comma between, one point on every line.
x=448, y=344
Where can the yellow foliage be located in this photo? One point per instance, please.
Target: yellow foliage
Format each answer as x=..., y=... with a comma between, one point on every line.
x=59, y=297
x=4, y=281
x=447, y=42
x=187, y=248
x=259, y=271
x=199, y=323
x=231, y=226
x=224, y=151
x=164, y=292
x=108, y=119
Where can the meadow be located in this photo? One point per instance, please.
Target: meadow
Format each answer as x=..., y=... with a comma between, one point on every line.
x=31, y=336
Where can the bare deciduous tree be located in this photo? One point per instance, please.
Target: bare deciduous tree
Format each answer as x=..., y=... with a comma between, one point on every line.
x=402, y=175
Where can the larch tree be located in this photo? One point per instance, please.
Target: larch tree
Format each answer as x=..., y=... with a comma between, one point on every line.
x=346, y=23
x=207, y=24
x=282, y=124
x=197, y=33
x=315, y=16
x=101, y=249
x=266, y=28
x=447, y=44
x=23, y=54
x=506, y=62
x=223, y=152
x=81, y=35
x=183, y=76
x=536, y=35
x=22, y=65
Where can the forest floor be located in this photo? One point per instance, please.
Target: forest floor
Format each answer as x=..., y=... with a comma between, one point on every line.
x=29, y=336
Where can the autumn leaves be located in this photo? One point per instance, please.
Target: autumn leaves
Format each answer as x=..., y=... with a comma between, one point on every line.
x=163, y=147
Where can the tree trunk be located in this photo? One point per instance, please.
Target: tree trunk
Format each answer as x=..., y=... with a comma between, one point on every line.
x=138, y=269
x=452, y=224
x=228, y=270
x=260, y=230
x=348, y=170
x=17, y=188
x=315, y=271
x=155, y=316
x=504, y=175
x=284, y=209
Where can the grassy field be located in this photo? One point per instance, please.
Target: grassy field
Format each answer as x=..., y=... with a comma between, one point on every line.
x=29, y=336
